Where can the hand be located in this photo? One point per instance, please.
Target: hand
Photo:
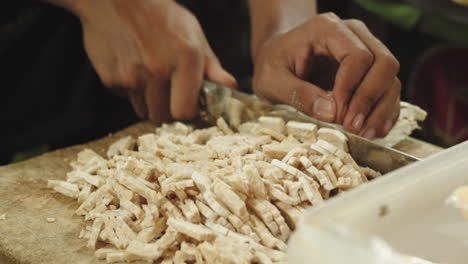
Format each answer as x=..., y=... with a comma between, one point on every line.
x=153, y=51
x=361, y=71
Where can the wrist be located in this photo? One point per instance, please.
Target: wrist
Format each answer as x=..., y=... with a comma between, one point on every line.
x=258, y=39
x=270, y=18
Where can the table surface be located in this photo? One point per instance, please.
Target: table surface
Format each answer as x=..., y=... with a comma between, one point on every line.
x=25, y=235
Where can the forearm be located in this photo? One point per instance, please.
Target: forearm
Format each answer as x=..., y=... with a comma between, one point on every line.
x=270, y=17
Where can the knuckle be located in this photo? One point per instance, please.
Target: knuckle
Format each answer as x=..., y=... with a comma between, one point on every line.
x=329, y=18
x=190, y=51
x=390, y=62
x=364, y=56
x=261, y=80
x=368, y=100
x=156, y=68
x=398, y=85
x=108, y=81
x=396, y=115
x=129, y=80
x=356, y=23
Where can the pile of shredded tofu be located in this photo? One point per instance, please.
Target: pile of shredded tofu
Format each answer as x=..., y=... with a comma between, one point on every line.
x=213, y=195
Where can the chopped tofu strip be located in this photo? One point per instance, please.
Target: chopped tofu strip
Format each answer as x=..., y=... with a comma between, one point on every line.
x=51, y=219
x=232, y=193
x=3, y=217
x=119, y=147
x=273, y=123
x=303, y=131
x=334, y=137
x=65, y=188
x=230, y=199
x=95, y=231
x=197, y=232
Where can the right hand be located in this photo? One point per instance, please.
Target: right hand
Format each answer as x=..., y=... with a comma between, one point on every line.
x=153, y=51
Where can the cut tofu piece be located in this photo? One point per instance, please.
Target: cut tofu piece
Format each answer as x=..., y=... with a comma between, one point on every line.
x=89, y=161
x=65, y=188
x=334, y=137
x=215, y=205
x=287, y=168
x=120, y=256
x=95, y=231
x=302, y=131
x=312, y=193
x=295, y=153
x=276, y=151
x=230, y=199
x=269, y=132
x=417, y=113
x=255, y=182
x=84, y=193
x=137, y=186
x=131, y=207
x=97, y=181
x=273, y=123
x=203, y=182
x=101, y=253
x=190, y=210
x=206, y=211
x=198, y=232
x=120, y=146
x=153, y=251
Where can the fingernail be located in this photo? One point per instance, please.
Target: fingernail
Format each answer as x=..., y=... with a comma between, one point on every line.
x=370, y=133
x=358, y=121
x=387, y=126
x=324, y=109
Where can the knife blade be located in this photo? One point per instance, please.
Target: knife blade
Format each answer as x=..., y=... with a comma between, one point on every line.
x=216, y=99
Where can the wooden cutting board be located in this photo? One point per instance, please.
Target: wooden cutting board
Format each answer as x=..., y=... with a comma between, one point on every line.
x=27, y=237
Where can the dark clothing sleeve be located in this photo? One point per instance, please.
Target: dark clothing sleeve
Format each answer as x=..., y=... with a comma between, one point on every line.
x=50, y=93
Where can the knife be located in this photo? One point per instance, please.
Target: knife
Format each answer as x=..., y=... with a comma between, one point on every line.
x=216, y=99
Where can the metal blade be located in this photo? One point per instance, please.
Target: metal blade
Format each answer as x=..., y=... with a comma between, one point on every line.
x=214, y=103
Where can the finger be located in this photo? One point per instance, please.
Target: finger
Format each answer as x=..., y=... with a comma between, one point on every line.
x=216, y=73
x=303, y=95
x=382, y=118
x=390, y=124
x=157, y=96
x=186, y=83
x=378, y=79
x=139, y=105
x=354, y=60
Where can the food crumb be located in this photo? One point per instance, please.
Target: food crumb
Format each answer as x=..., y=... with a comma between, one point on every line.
x=383, y=211
x=3, y=217
x=51, y=219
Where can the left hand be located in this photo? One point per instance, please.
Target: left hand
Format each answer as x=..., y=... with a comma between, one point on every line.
x=361, y=71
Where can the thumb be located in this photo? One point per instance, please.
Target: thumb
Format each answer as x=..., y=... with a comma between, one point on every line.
x=216, y=73
x=306, y=97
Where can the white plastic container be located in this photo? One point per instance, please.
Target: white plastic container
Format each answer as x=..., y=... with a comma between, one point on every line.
x=406, y=208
